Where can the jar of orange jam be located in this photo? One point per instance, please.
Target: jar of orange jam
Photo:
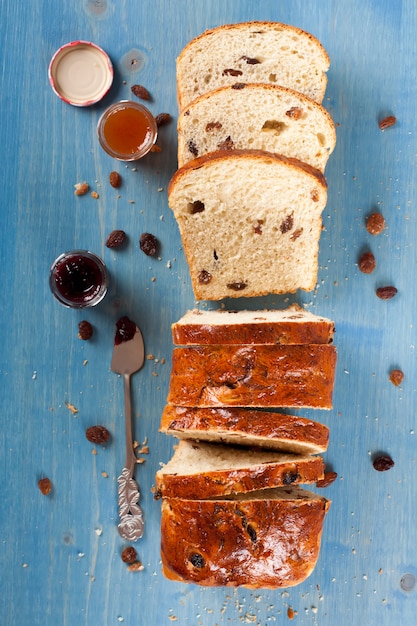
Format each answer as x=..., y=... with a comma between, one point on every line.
x=127, y=130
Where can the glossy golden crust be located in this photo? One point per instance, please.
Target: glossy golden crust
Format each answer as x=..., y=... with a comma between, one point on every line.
x=223, y=482
x=256, y=543
x=285, y=331
x=266, y=429
x=253, y=376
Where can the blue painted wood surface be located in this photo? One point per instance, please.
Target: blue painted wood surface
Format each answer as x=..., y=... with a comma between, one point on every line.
x=60, y=555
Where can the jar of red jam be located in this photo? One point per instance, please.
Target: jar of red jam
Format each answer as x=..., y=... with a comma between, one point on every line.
x=127, y=130
x=78, y=279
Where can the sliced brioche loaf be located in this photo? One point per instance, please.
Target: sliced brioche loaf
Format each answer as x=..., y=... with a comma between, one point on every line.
x=250, y=223
x=286, y=326
x=247, y=427
x=258, y=116
x=264, y=52
x=200, y=470
x=265, y=539
x=253, y=376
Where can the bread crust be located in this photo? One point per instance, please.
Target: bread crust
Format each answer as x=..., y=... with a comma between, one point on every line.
x=253, y=376
x=252, y=427
x=253, y=543
x=263, y=328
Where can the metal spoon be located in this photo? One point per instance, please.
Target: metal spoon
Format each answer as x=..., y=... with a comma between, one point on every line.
x=128, y=357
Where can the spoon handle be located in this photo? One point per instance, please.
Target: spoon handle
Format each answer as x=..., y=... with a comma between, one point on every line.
x=131, y=525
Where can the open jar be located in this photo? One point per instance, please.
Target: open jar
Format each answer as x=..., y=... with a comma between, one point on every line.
x=127, y=130
x=78, y=279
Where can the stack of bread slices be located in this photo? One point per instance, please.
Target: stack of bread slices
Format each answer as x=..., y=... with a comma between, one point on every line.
x=233, y=511
x=253, y=142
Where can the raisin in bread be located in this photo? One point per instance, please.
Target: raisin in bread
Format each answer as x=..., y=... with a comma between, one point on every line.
x=259, y=116
x=200, y=470
x=267, y=430
x=250, y=222
x=253, y=376
x=267, y=539
x=286, y=326
x=264, y=52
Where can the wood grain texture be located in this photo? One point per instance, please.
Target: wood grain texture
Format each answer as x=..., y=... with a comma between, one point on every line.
x=60, y=555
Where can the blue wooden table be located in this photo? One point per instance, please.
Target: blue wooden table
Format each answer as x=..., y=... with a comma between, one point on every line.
x=60, y=562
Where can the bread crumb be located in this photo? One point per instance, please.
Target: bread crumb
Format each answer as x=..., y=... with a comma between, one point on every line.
x=71, y=407
x=94, y=451
x=135, y=567
x=150, y=357
x=81, y=188
x=94, y=195
x=104, y=474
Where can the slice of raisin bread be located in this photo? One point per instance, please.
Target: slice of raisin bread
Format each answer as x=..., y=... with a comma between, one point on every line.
x=284, y=326
x=259, y=116
x=258, y=376
x=250, y=222
x=267, y=430
x=200, y=470
x=252, y=52
x=270, y=538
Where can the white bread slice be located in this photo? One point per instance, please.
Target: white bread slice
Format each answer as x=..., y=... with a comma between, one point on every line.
x=265, y=539
x=286, y=326
x=266, y=376
x=252, y=52
x=257, y=116
x=266, y=430
x=201, y=470
x=250, y=222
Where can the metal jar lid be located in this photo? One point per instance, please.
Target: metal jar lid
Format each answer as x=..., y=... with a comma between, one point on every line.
x=80, y=73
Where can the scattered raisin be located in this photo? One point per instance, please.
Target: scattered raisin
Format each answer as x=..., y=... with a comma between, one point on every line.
x=287, y=224
x=294, y=113
x=375, y=223
x=213, y=126
x=396, y=377
x=367, y=263
x=115, y=179
x=162, y=118
x=116, y=239
x=231, y=72
x=192, y=148
x=314, y=195
x=97, y=434
x=227, y=144
x=45, y=486
x=383, y=463
x=258, y=227
x=328, y=479
x=238, y=286
x=238, y=85
x=148, y=244
x=129, y=555
x=386, y=293
x=204, y=277
x=140, y=92
x=85, y=330
x=386, y=122
x=197, y=560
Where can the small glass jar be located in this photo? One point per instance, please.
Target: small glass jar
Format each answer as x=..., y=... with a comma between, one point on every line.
x=127, y=130
x=78, y=279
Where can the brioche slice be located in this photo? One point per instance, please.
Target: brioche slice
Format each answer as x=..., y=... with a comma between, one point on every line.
x=258, y=116
x=250, y=223
x=253, y=376
x=252, y=52
x=286, y=326
x=200, y=470
x=267, y=539
x=246, y=427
